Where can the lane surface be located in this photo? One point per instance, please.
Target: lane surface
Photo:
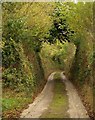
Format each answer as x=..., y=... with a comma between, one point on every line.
x=42, y=102
x=76, y=108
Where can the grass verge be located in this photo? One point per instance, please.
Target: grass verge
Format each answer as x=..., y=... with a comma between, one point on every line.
x=13, y=103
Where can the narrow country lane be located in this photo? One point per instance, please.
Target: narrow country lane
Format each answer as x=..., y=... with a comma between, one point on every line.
x=40, y=42
x=76, y=108
x=42, y=102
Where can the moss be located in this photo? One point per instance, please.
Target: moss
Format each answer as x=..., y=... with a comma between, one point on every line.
x=59, y=105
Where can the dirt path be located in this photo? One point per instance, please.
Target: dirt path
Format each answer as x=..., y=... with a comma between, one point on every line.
x=76, y=108
x=42, y=102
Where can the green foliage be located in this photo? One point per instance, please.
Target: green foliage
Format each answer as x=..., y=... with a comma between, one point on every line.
x=59, y=54
x=82, y=38
x=12, y=25
x=14, y=66
x=38, y=70
x=60, y=29
x=21, y=25
x=10, y=51
x=28, y=31
x=25, y=25
x=14, y=29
